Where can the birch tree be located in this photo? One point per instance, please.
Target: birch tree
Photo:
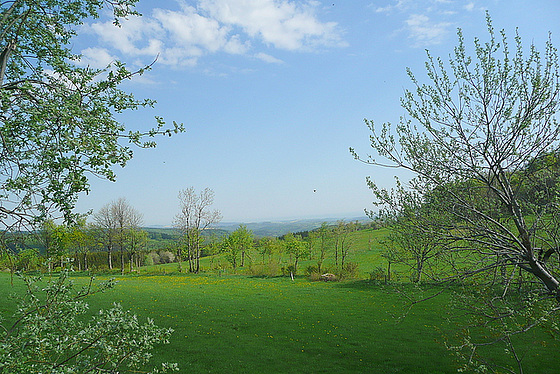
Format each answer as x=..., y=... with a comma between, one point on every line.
x=193, y=218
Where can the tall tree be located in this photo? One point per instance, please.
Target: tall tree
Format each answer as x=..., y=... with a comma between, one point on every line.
x=323, y=238
x=342, y=241
x=473, y=136
x=413, y=239
x=193, y=218
x=52, y=237
x=58, y=127
x=57, y=119
x=106, y=231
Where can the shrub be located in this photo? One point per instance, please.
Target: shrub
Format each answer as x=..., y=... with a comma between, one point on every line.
x=148, y=260
x=166, y=257
x=288, y=270
x=155, y=258
x=349, y=271
x=51, y=336
x=377, y=275
x=312, y=272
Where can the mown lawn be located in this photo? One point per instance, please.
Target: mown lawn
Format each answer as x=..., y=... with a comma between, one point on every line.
x=238, y=324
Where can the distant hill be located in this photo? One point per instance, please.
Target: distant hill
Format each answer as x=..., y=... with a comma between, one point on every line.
x=279, y=228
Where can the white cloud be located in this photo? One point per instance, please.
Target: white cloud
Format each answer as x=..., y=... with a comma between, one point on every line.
x=469, y=7
x=283, y=24
x=136, y=37
x=183, y=36
x=399, y=5
x=268, y=58
x=425, y=32
x=97, y=58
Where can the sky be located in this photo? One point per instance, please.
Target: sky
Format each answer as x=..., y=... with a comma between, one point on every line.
x=272, y=93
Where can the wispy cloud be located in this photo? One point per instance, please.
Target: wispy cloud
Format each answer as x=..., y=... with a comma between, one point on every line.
x=182, y=36
x=425, y=32
x=268, y=58
x=97, y=58
x=469, y=7
x=426, y=22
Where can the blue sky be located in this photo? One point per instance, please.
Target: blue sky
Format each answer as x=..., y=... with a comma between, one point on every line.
x=272, y=94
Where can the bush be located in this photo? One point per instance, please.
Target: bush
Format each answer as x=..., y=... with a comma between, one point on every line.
x=155, y=258
x=349, y=271
x=288, y=271
x=312, y=272
x=50, y=335
x=148, y=260
x=166, y=257
x=377, y=275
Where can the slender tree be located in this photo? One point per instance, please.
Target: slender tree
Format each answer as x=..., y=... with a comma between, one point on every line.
x=106, y=229
x=117, y=221
x=193, y=218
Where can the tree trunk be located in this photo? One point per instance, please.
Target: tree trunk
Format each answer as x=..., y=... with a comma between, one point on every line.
x=197, y=265
x=545, y=276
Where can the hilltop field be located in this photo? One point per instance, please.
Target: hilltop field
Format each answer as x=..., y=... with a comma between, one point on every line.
x=237, y=322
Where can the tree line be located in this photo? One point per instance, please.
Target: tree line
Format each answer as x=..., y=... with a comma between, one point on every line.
x=114, y=239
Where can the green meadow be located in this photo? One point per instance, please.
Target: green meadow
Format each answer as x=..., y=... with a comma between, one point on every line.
x=228, y=322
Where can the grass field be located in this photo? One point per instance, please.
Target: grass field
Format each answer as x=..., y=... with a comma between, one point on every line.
x=239, y=324
x=235, y=323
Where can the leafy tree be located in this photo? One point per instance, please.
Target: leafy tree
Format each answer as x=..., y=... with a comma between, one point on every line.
x=236, y=244
x=57, y=119
x=474, y=137
x=412, y=239
x=194, y=217
x=137, y=239
x=264, y=247
x=53, y=238
x=296, y=247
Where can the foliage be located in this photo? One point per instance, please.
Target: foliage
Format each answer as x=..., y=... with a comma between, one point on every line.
x=48, y=335
x=57, y=119
x=492, y=311
x=237, y=244
x=296, y=248
x=413, y=239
